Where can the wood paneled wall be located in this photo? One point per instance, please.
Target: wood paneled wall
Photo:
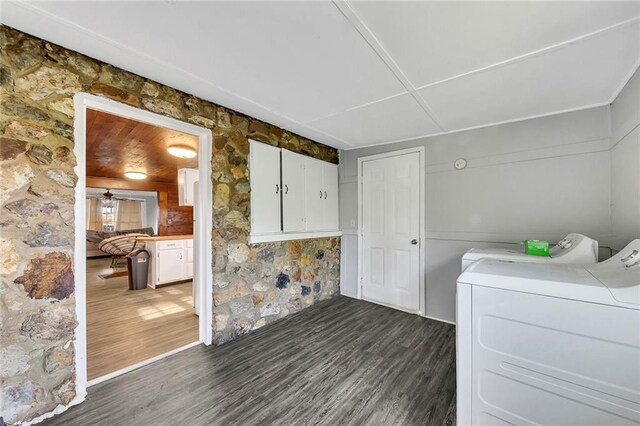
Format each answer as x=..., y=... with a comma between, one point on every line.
x=172, y=218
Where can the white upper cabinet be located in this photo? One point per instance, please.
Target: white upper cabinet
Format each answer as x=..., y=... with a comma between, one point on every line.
x=293, y=191
x=292, y=196
x=264, y=172
x=330, y=212
x=314, y=194
x=186, y=180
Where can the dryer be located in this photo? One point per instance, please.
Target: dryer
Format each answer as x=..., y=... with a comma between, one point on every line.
x=573, y=249
x=549, y=344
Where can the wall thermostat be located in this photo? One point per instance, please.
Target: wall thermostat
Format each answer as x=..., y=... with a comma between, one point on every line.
x=460, y=163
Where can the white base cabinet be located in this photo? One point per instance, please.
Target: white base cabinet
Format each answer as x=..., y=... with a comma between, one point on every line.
x=170, y=261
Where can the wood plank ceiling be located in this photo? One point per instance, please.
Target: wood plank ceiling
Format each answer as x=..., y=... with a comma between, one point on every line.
x=116, y=145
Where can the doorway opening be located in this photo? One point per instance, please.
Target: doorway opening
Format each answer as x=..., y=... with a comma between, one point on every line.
x=143, y=226
x=391, y=230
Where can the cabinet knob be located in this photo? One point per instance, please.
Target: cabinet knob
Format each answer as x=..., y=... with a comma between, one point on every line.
x=321, y=195
x=414, y=242
x=286, y=189
x=325, y=195
x=277, y=188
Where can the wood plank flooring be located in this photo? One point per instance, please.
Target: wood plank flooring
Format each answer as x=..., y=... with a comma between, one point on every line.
x=126, y=327
x=342, y=361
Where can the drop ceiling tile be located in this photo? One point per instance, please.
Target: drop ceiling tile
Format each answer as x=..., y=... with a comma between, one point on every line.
x=586, y=73
x=318, y=136
x=433, y=41
x=301, y=60
x=393, y=119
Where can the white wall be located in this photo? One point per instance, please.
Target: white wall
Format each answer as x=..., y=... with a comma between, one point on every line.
x=625, y=164
x=540, y=178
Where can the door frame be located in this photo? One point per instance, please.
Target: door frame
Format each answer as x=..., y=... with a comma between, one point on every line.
x=422, y=240
x=82, y=102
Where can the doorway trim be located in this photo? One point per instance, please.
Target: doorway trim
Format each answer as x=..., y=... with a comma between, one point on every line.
x=422, y=284
x=82, y=102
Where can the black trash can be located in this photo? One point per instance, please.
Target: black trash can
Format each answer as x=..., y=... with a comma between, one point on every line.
x=138, y=265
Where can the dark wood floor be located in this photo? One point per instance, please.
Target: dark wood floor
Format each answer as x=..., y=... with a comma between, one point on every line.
x=342, y=361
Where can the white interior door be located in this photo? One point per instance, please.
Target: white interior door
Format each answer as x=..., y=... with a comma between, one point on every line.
x=292, y=191
x=391, y=231
x=314, y=194
x=264, y=171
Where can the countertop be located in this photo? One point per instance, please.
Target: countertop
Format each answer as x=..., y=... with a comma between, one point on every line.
x=166, y=238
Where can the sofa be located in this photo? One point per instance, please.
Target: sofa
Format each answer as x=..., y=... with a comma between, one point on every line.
x=94, y=238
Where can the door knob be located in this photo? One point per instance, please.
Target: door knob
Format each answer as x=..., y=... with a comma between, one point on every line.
x=414, y=241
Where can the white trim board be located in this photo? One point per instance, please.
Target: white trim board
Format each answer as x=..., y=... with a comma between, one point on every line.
x=256, y=239
x=423, y=285
x=82, y=101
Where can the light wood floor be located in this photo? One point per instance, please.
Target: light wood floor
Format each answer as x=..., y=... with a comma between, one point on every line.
x=126, y=327
x=340, y=362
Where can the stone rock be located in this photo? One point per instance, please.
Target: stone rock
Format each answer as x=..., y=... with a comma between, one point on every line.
x=62, y=177
x=46, y=235
x=282, y=281
x=239, y=306
x=269, y=309
x=64, y=130
x=10, y=257
x=14, y=107
x=11, y=148
x=294, y=249
x=320, y=254
x=64, y=155
x=260, y=323
x=22, y=129
x=305, y=290
x=260, y=286
x=58, y=358
x=236, y=291
x=47, y=81
x=243, y=186
x=84, y=65
x=116, y=77
x=220, y=321
x=236, y=219
x=15, y=361
x=56, y=322
x=40, y=154
x=267, y=254
x=5, y=77
x=161, y=106
x=221, y=196
x=50, y=276
x=19, y=398
x=150, y=89
x=317, y=287
x=199, y=120
x=240, y=122
x=238, y=253
x=223, y=118
x=27, y=208
x=66, y=392
x=257, y=299
x=65, y=106
x=306, y=260
x=13, y=178
x=115, y=94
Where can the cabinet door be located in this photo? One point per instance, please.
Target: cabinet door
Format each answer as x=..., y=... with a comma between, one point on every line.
x=314, y=194
x=264, y=171
x=186, y=179
x=171, y=265
x=293, y=210
x=330, y=212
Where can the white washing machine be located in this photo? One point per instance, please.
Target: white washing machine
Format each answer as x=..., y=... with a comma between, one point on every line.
x=549, y=344
x=575, y=249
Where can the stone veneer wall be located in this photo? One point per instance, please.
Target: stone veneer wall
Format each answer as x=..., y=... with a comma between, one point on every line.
x=253, y=285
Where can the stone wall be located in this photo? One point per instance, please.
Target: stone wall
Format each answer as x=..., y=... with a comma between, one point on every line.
x=253, y=285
